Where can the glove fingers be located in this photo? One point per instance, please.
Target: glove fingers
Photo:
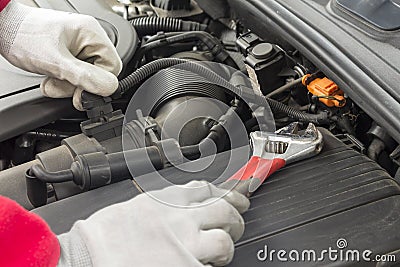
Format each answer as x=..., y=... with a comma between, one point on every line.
x=186, y=195
x=219, y=214
x=103, y=55
x=90, y=77
x=93, y=45
x=80, y=74
x=239, y=201
x=55, y=88
x=215, y=248
x=198, y=192
x=77, y=99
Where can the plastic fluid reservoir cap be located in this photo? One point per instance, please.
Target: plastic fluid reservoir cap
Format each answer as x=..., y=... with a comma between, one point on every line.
x=262, y=50
x=172, y=4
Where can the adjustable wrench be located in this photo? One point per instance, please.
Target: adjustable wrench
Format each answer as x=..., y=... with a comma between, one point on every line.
x=271, y=152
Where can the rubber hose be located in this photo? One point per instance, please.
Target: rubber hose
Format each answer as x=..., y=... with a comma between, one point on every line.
x=376, y=147
x=152, y=25
x=51, y=177
x=212, y=43
x=153, y=67
x=285, y=87
x=298, y=115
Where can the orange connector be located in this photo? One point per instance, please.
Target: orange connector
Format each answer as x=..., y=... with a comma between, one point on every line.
x=326, y=90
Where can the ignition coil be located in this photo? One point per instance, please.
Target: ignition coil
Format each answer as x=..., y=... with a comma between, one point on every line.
x=265, y=62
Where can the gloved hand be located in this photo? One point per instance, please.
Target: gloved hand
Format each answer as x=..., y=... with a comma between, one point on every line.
x=194, y=225
x=72, y=50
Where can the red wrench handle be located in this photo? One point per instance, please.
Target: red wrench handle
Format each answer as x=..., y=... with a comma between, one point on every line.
x=252, y=175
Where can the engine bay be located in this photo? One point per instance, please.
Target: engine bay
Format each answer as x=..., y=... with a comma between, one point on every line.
x=196, y=82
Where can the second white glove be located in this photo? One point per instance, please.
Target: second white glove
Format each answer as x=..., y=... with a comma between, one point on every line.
x=147, y=232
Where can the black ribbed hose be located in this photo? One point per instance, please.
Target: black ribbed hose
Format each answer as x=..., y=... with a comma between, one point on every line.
x=146, y=71
x=153, y=25
x=321, y=118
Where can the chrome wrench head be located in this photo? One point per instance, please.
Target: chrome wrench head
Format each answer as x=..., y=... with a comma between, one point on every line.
x=289, y=143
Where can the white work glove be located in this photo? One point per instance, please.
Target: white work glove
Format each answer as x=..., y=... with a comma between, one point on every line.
x=72, y=50
x=197, y=228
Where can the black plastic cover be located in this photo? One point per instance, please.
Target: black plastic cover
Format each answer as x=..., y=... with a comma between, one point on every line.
x=384, y=14
x=63, y=214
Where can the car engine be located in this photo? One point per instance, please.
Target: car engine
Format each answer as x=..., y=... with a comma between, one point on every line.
x=196, y=82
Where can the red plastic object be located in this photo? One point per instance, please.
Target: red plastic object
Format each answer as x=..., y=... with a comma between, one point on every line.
x=258, y=168
x=3, y=4
x=25, y=239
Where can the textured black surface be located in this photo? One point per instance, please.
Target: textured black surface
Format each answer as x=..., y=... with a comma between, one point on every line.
x=61, y=215
x=373, y=226
x=307, y=205
x=311, y=204
x=336, y=180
